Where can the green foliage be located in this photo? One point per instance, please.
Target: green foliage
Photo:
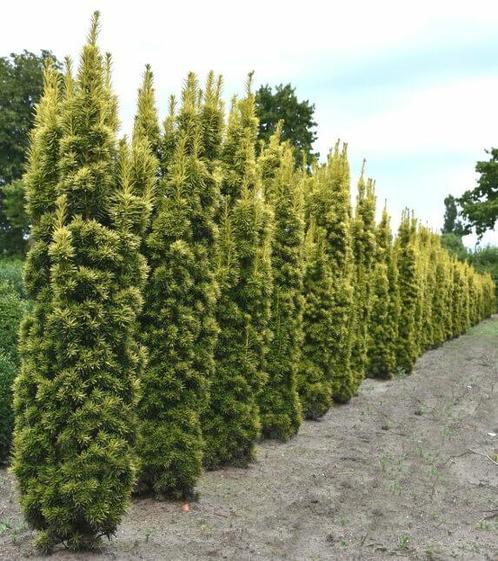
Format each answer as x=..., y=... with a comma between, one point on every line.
x=76, y=396
x=178, y=320
x=385, y=306
x=458, y=311
x=11, y=272
x=15, y=218
x=231, y=424
x=480, y=205
x=364, y=248
x=454, y=245
x=329, y=203
x=11, y=311
x=441, y=298
x=266, y=299
x=21, y=76
x=406, y=259
x=451, y=223
x=381, y=359
x=31, y=439
x=280, y=407
x=316, y=370
x=485, y=260
x=8, y=372
x=426, y=279
x=297, y=116
x=146, y=124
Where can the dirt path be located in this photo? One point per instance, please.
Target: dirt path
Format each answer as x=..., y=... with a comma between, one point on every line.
x=399, y=473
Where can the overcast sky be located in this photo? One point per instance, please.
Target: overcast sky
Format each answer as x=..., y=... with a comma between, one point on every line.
x=411, y=86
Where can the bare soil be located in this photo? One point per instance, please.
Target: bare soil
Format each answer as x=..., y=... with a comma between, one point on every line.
x=405, y=471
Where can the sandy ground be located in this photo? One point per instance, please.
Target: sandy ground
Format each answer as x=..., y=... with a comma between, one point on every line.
x=404, y=471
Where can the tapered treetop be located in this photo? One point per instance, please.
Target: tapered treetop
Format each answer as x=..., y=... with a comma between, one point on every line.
x=212, y=117
x=239, y=154
x=90, y=122
x=146, y=120
x=94, y=29
x=41, y=176
x=384, y=235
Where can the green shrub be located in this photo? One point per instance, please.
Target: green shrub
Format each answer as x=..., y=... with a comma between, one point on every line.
x=485, y=260
x=8, y=372
x=11, y=312
x=11, y=272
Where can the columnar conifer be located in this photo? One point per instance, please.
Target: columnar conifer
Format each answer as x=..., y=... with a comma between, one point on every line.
x=41, y=179
x=280, y=407
x=316, y=370
x=466, y=297
x=231, y=424
x=146, y=124
x=440, y=312
x=364, y=247
x=330, y=205
x=424, y=242
x=178, y=320
x=33, y=445
x=383, y=324
x=248, y=322
x=448, y=294
x=75, y=457
x=406, y=259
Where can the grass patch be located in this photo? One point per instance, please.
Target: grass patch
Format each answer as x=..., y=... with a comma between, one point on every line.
x=488, y=328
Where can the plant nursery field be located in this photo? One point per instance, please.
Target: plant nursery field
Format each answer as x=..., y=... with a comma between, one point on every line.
x=407, y=470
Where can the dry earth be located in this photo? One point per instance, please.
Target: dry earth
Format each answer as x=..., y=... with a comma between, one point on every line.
x=405, y=471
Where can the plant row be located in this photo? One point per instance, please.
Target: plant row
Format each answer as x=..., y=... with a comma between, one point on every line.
x=194, y=292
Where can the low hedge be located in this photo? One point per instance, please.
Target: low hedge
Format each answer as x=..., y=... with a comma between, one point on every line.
x=11, y=311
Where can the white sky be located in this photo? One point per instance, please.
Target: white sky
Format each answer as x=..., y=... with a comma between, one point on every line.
x=411, y=86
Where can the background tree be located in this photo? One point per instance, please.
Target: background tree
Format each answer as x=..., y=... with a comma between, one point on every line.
x=21, y=77
x=15, y=221
x=454, y=245
x=297, y=116
x=480, y=205
x=451, y=223
x=453, y=230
